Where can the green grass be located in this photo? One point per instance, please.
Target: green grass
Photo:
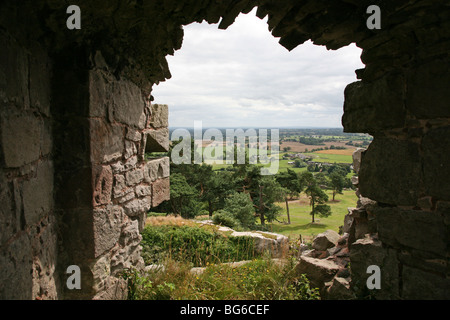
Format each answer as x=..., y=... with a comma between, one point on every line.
x=260, y=279
x=301, y=218
x=331, y=158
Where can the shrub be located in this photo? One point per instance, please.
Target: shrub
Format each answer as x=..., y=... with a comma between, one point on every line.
x=224, y=218
x=194, y=245
x=260, y=279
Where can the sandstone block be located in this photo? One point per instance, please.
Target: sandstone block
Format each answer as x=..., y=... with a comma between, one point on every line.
x=106, y=141
x=156, y=169
x=379, y=177
x=375, y=106
x=20, y=138
x=16, y=275
x=157, y=140
x=356, y=156
x=107, y=227
x=14, y=72
x=436, y=164
x=133, y=135
x=128, y=104
x=318, y=271
x=103, y=184
x=123, y=166
x=160, y=191
x=428, y=93
x=339, y=290
x=100, y=93
x=134, y=177
x=420, y=230
x=40, y=80
x=370, y=251
x=142, y=191
x=37, y=193
x=160, y=116
x=420, y=285
x=325, y=240
x=137, y=206
x=130, y=149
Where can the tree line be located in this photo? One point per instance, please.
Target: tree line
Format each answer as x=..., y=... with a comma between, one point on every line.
x=240, y=197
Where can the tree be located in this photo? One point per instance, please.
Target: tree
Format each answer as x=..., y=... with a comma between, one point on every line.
x=317, y=197
x=292, y=184
x=271, y=192
x=181, y=195
x=216, y=190
x=337, y=182
x=240, y=206
x=317, y=200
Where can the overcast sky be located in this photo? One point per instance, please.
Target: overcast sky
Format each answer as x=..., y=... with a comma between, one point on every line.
x=242, y=77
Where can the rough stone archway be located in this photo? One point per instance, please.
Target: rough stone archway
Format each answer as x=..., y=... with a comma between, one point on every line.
x=76, y=116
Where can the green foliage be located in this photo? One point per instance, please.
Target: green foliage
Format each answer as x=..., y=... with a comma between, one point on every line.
x=225, y=218
x=141, y=287
x=337, y=182
x=310, y=141
x=260, y=279
x=194, y=245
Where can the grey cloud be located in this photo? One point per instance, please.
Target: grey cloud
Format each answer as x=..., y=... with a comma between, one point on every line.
x=243, y=77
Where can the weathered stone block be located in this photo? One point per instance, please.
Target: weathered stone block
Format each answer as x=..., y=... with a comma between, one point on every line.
x=369, y=251
x=16, y=275
x=100, y=93
x=137, y=206
x=103, y=183
x=318, y=271
x=123, y=166
x=134, y=177
x=436, y=163
x=420, y=285
x=160, y=116
x=130, y=149
x=156, y=169
x=39, y=80
x=428, y=94
x=156, y=140
x=160, y=191
x=133, y=135
x=421, y=230
x=391, y=172
x=107, y=226
x=20, y=138
x=142, y=191
x=37, y=193
x=356, y=158
x=375, y=106
x=325, y=240
x=13, y=72
x=128, y=104
x=106, y=141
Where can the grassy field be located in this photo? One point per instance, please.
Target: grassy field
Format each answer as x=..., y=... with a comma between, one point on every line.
x=301, y=219
x=330, y=157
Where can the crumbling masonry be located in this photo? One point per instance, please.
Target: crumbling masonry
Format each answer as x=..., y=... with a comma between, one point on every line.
x=76, y=119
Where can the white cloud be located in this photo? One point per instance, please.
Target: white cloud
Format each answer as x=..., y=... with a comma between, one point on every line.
x=242, y=77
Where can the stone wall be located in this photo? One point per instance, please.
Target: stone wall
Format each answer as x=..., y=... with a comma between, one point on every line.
x=75, y=180
x=28, y=228
x=111, y=184
x=76, y=118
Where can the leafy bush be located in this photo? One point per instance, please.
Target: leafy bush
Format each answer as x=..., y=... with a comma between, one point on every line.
x=224, y=218
x=260, y=279
x=193, y=244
